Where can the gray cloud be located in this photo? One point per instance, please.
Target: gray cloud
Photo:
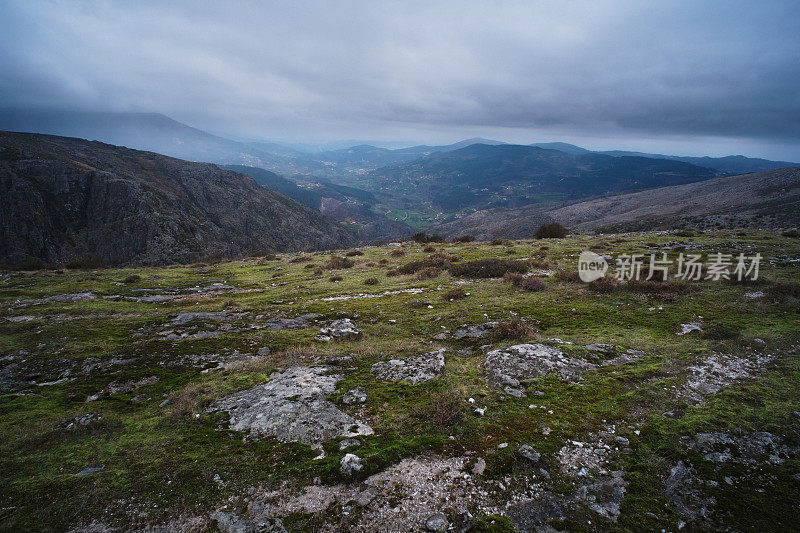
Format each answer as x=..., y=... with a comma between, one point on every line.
x=679, y=71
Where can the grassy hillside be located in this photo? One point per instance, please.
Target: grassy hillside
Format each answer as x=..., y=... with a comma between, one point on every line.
x=142, y=356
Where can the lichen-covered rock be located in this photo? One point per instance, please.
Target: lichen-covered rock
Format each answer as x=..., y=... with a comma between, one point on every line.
x=474, y=332
x=507, y=366
x=339, y=329
x=350, y=464
x=414, y=370
x=292, y=406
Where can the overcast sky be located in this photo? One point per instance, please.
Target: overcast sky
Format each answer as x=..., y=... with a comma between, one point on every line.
x=688, y=77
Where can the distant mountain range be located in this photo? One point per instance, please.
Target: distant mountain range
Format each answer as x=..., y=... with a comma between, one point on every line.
x=67, y=199
x=159, y=133
x=512, y=175
x=384, y=193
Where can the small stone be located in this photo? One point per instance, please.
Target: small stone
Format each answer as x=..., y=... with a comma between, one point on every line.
x=355, y=396
x=622, y=440
x=480, y=411
x=164, y=403
x=350, y=464
x=263, y=351
x=546, y=431
x=479, y=467
x=437, y=522
x=366, y=496
x=527, y=451
x=598, y=347
x=90, y=470
x=513, y=391
x=349, y=443
x=502, y=445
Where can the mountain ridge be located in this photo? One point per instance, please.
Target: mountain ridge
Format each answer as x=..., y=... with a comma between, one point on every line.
x=67, y=199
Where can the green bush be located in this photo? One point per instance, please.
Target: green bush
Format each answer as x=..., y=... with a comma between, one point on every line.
x=554, y=230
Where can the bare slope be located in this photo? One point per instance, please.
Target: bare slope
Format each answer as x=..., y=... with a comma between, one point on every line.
x=765, y=199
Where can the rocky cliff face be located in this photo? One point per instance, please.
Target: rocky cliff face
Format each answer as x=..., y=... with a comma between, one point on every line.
x=65, y=199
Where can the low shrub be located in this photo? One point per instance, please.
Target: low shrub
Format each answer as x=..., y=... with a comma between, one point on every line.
x=791, y=233
x=500, y=242
x=463, y=238
x=428, y=273
x=371, y=281
x=444, y=410
x=300, y=259
x=423, y=238
x=133, y=278
x=337, y=262
x=336, y=277
x=383, y=261
x=439, y=261
x=392, y=273
x=685, y=233
x=513, y=329
x=454, y=294
x=429, y=249
x=567, y=275
x=354, y=253
x=398, y=252
x=554, y=230
x=487, y=268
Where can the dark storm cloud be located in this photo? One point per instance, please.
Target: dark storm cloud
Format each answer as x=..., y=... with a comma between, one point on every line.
x=692, y=68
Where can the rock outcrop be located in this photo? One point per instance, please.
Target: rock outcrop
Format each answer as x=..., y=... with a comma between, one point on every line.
x=292, y=406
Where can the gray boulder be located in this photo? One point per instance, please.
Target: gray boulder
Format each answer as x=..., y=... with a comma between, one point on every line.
x=507, y=366
x=474, y=332
x=339, y=329
x=414, y=370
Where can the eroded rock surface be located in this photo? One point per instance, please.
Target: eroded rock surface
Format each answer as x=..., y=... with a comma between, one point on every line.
x=292, y=406
x=414, y=370
x=716, y=371
x=508, y=366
